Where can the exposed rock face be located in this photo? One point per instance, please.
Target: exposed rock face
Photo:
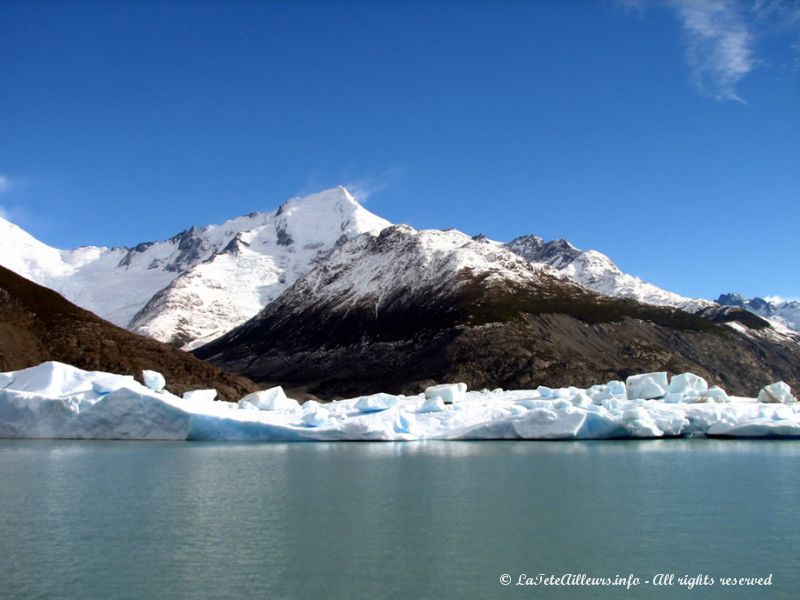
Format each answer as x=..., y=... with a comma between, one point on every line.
x=406, y=309
x=37, y=325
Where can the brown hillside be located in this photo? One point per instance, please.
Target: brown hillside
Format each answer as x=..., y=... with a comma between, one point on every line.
x=37, y=325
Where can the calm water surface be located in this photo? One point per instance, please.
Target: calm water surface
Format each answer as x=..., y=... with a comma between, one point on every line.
x=428, y=520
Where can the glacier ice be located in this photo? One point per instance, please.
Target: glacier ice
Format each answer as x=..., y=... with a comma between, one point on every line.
x=647, y=386
x=776, y=392
x=376, y=402
x=715, y=394
x=272, y=399
x=448, y=392
x=435, y=404
x=687, y=383
x=616, y=388
x=201, y=395
x=153, y=380
x=54, y=400
x=544, y=391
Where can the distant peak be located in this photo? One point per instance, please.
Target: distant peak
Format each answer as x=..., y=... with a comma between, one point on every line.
x=731, y=299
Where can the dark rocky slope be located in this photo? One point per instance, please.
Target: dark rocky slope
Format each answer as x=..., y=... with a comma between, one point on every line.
x=37, y=325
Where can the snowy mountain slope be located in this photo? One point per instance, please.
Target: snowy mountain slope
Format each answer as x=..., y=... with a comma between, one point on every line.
x=204, y=281
x=111, y=282
x=255, y=266
x=403, y=262
x=404, y=308
x=598, y=272
x=782, y=314
x=222, y=274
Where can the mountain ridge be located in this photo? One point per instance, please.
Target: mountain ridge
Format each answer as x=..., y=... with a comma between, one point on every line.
x=409, y=308
x=204, y=281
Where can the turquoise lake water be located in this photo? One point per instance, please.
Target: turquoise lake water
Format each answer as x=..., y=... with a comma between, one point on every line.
x=415, y=520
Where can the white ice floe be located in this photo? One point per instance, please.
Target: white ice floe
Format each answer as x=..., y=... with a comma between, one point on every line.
x=153, y=380
x=55, y=400
x=448, y=392
x=687, y=383
x=647, y=386
x=272, y=399
x=776, y=392
x=200, y=395
x=376, y=403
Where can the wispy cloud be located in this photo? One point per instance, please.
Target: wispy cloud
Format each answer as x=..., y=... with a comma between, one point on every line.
x=782, y=16
x=780, y=299
x=367, y=186
x=719, y=45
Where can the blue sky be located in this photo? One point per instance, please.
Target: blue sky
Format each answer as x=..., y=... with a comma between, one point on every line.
x=665, y=134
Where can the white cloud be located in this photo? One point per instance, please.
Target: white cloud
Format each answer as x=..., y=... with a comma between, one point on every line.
x=718, y=45
x=782, y=16
x=365, y=187
x=780, y=299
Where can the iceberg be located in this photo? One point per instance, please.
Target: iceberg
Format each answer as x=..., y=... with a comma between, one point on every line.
x=153, y=380
x=715, y=394
x=448, y=392
x=776, y=392
x=647, y=386
x=54, y=400
x=316, y=417
x=435, y=404
x=376, y=402
x=272, y=399
x=616, y=388
x=687, y=383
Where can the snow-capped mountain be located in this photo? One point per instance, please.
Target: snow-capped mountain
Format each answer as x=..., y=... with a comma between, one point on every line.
x=782, y=314
x=321, y=292
x=256, y=264
x=403, y=262
x=205, y=281
x=599, y=273
x=201, y=282
x=112, y=282
x=402, y=309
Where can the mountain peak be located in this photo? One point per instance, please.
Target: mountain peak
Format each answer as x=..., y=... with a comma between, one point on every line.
x=250, y=261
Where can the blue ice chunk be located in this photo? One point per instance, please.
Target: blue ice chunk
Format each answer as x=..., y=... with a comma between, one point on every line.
x=435, y=404
x=376, y=403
